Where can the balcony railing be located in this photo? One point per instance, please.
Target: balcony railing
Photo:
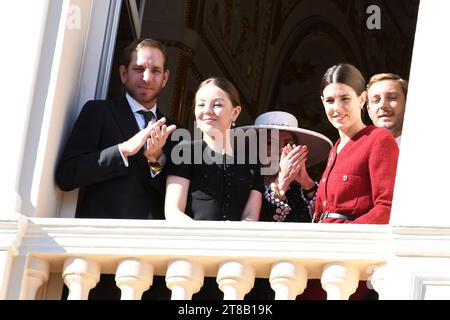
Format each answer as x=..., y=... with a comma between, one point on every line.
x=288, y=254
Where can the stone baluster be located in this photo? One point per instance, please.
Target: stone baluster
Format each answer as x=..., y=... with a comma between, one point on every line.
x=288, y=280
x=235, y=279
x=377, y=279
x=339, y=280
x=36, y=274
x=80, y=276
x=133, y=277
x=184, y=278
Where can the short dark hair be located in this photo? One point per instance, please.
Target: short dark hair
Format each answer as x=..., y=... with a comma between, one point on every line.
x=226, y=86
x=344, y=73
x=389, y=76
x=143, y=43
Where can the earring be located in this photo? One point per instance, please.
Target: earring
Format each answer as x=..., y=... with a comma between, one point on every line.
x=233, y=124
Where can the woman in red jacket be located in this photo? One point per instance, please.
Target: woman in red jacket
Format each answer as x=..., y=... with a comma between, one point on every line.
x=358, y=182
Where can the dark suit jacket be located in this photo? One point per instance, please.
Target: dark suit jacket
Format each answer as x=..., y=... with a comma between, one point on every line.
x=92, y=162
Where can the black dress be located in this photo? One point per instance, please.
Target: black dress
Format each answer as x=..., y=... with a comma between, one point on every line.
x=219, y=186
x=295, y=208
x=219, y=189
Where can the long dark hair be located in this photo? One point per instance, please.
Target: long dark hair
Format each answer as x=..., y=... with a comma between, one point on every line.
x=344, y=73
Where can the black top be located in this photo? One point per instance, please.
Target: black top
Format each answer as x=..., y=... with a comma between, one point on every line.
x=219, y=188
x=292, y=209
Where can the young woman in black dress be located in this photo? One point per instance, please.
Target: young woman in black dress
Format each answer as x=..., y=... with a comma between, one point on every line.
x=210, y=183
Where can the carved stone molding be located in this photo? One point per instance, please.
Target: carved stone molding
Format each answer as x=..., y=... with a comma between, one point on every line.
x=236, y=34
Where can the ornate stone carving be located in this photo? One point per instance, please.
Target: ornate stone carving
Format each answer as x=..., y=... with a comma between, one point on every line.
x=236, y=33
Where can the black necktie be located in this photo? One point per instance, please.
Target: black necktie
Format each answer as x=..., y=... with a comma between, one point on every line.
x=148, y=116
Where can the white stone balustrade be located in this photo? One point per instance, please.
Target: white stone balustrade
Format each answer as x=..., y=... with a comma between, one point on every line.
x=235, y=279
x=377, y=278
x=339, y=280
x=288, y=280
x=80, y=274
x=415, y=247
x=36, y=274
x=184, y=278
x=234, y=252
x=133, y=277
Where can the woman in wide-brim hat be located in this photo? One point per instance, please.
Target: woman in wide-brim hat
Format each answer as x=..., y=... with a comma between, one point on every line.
x=290, y=193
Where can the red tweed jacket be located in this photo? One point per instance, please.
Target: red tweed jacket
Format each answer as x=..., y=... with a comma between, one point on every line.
x=359, y=181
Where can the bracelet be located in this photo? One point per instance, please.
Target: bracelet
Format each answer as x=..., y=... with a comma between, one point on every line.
x=313, y=188
x=282, y=207
x=276, y=190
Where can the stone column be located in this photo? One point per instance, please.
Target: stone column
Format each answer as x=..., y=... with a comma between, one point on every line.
x=32, y=16
x=429, y=70
x=184, y=278
x=288, y=280
x=339, y=280
x=133, y=277
x=36, y=274
x=235, y=279
x=80, y=275
x=419, y=219
x=377, y=279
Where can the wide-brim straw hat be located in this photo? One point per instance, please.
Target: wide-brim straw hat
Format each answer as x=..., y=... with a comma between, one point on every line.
x=318, y=145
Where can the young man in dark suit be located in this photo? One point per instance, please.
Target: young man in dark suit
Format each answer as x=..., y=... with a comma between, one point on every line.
x=112, y=155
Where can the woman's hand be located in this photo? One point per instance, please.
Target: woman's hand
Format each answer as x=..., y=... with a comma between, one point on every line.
x=302, y=177
x=290, y=165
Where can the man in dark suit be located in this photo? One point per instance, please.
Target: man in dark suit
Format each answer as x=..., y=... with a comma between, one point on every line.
x=112, y=155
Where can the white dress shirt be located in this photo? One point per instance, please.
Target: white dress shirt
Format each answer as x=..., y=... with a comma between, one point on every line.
x=136, y=107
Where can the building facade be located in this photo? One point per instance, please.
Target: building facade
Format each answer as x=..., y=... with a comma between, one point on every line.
x=60, y=53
